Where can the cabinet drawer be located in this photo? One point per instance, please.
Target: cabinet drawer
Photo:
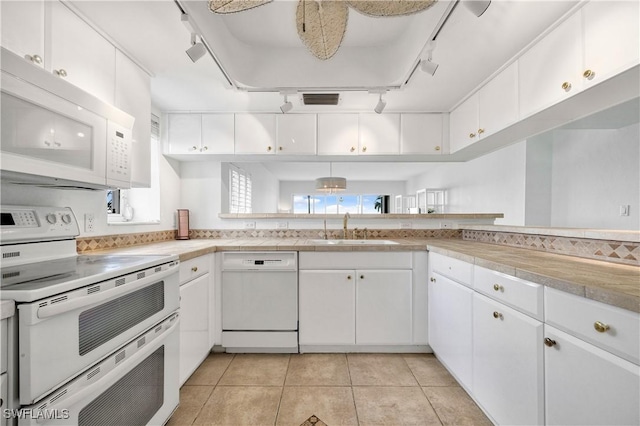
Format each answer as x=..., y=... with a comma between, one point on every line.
x=193, y=268
x=455, y=269
x=522, y=295
x=611, y=328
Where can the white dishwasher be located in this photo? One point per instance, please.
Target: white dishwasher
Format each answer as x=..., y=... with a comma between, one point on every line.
x=260, y=301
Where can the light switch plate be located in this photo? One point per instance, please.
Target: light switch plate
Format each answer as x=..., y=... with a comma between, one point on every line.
x=249, y=225
x=282, y=225
x=406, y=225
x=624, y=209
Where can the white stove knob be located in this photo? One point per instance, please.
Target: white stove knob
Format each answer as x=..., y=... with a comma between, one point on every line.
x=66, y=218
x=51, y=218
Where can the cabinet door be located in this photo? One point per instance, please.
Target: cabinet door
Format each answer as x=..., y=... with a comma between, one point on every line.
x=22, y=27
x=184, y=133
x=611, y=38
x=337, y=134
x=327, y=307
x=255, y=133
x=217, y=134
x=553, y=61
x=296, y=134
x=421, y=134
x=379, y=134
x=87, y=58
x=507, y=363
x=133, y=95
x=384, y=307
x=585, y=385
x=450, y=319
x=463, y=124
x=498, y=102
x=194, y=325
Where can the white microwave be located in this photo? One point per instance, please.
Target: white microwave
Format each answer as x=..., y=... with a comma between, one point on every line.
x=56, y=134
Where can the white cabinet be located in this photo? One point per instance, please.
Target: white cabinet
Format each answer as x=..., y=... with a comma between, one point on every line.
x=463, y=123
x=22, y=28
x=255, y=133
x=80, y=55
x=338, y=134
x=421, y=134
x=450, y=326
x=507, y=363
x=379, y=134
x=4, y=397
x=296, y=134
x=185, y=133
x=383, y=307
x=133, y=95
x=585, y=385
x=217, y=134
x=327, y=307
x=196, y=314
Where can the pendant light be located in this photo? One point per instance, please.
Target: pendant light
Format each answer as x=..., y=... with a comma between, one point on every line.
x=331, y=183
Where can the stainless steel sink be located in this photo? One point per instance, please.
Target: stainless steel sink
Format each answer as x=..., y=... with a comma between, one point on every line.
x=354, y=242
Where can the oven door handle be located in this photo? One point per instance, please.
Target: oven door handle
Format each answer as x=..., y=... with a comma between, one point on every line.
x=101, y=296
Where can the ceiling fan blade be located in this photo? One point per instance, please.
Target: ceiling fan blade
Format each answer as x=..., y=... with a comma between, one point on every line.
x=321, y=25
x=232, y=6
x=390, y=7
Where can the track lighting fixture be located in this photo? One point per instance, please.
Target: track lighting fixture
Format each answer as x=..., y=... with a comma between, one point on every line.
x=380, y=105
x=286, y=106
x=197, y=50
x=427, y=65
x=477, y=7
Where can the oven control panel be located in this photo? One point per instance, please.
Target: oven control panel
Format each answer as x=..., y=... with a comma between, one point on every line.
x=30, y=223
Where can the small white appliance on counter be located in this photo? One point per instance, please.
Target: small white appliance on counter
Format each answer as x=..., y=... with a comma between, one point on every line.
x=260, y=301
x=95, y=339
x=55, y=134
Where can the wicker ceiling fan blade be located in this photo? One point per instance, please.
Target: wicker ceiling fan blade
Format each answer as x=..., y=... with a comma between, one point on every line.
x=232, y=6
x=321, y=25
x=390, y=7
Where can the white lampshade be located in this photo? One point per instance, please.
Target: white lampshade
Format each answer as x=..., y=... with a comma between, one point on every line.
x=331, y=184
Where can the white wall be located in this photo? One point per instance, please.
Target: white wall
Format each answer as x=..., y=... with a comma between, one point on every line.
x=493, y=183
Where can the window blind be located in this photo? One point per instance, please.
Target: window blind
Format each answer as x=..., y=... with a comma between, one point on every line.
x=239, y=190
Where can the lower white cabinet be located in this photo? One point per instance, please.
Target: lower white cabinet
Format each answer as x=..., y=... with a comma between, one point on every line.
x=585, y=385
x=507, y=363
x=450, y=326
x=4, y=397
x=327, y=311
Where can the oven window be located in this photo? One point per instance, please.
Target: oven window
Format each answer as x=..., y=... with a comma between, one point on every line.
x=104, y=322
x=132, y=400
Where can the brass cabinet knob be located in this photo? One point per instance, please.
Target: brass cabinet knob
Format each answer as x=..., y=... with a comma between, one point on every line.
x=432, y=279
x=269, y=148
x=549, y=342
x=364, y=149
x=194, y=148
x=362, y=277
x=194, y=269
x=601, y=327
x=279, y=148
x=36, y=59
x=437, y=148
x=352, y=149
x=480, y=131
x=348, y=277
x=60, y=73
x=497, y=315
x=204, y=148
x=566, y=86
x=498, y=287
x=588, y=74
x=472, y=135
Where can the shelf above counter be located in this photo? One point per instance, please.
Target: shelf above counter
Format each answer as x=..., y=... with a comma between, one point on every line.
x=393, y=216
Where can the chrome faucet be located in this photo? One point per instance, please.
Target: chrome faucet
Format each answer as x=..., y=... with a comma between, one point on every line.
x=345, y=221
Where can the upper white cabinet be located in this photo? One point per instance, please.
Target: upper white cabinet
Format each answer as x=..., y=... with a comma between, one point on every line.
x=338, y=134
x=217, y=133
x=463, y=123
x=80, y=55
x=296, y=134
x=379, y=134
x=133, y=95
x=255, y=133
x=22, y=28
x=185, y=133
x=421, y=134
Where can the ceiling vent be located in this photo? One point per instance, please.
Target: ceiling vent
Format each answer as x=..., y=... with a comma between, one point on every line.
x=320, y=98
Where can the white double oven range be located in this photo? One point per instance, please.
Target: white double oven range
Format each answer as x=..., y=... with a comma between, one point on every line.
x=95, y=338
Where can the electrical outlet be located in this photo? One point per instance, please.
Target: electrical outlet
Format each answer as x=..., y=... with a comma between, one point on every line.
x=446, y=225
x=624, y=209
x=282, y=225
x=249, y=225
x=406, y=225
x=89, y=222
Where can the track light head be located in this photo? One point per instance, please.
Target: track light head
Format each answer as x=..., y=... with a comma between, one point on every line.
x=197, y=50
x=380, y=105
x=477, y=7
x=286, y=106
x=429, y=67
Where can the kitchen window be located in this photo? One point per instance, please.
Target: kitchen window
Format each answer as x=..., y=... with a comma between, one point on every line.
x=239, y=190
x=336, y=204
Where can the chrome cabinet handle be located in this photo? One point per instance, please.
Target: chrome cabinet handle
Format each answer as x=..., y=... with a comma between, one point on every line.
x=60, y=73
x=204, y=148
x=36, y=59
x=498, y=287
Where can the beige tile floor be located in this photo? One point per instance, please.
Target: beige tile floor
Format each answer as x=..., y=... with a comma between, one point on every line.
x=339, y=389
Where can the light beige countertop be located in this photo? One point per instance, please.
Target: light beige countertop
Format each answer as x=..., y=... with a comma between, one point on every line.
x=7, y=309
x=610, y=283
